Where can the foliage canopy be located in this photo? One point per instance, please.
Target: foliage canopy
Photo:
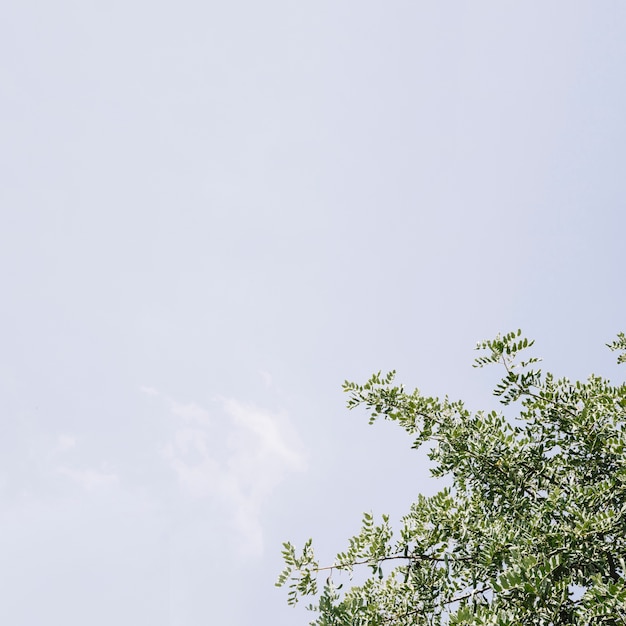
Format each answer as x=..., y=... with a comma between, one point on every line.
x=532, y=529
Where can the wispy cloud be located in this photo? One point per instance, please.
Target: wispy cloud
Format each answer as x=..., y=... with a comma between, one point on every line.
x=190, y=412
x=272, y=431
x=242, y=458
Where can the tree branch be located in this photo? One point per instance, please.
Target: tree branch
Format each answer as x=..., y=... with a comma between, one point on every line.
x=408, y=557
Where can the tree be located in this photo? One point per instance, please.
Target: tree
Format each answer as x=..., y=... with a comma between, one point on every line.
x=531, y=530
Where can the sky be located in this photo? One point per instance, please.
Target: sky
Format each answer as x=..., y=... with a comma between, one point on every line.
x=214, y=213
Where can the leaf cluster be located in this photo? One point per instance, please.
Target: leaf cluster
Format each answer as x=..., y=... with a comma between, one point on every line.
x=532, y=529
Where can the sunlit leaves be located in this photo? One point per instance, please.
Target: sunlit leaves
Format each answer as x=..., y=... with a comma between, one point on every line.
x=620, y=345
x=532, y=529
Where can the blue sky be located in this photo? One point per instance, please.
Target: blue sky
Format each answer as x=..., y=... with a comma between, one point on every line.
x=214, y=213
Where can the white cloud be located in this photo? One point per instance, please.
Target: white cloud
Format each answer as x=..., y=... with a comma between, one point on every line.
x=240, y=462
x=271, y=431
x=190, y=412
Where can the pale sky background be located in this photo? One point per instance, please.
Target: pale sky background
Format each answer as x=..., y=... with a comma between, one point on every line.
x=215, y=212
